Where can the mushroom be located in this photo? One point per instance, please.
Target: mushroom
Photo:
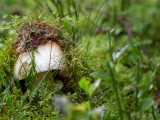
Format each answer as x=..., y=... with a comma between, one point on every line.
x=38, y=43
x=46, y=57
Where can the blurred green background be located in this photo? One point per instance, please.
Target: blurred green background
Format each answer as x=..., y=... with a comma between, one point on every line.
x=116, y=42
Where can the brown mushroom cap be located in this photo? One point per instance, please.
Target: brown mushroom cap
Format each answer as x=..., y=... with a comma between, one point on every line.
x=31, y=35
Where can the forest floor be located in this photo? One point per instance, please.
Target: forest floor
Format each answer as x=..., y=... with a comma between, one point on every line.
x=113, y=63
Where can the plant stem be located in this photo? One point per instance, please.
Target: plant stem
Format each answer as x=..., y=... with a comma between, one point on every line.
x=153, y=113
x=115, y=88
x=114, y=81
x=75, y=9
x=137, y=81
x=59, y=6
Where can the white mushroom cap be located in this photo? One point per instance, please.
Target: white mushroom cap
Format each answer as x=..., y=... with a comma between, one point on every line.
x=46, y=57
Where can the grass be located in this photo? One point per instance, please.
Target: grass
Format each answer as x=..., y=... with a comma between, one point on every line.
x=128, y=84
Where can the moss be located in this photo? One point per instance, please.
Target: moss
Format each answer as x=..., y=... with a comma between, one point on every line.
x=33, y=34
